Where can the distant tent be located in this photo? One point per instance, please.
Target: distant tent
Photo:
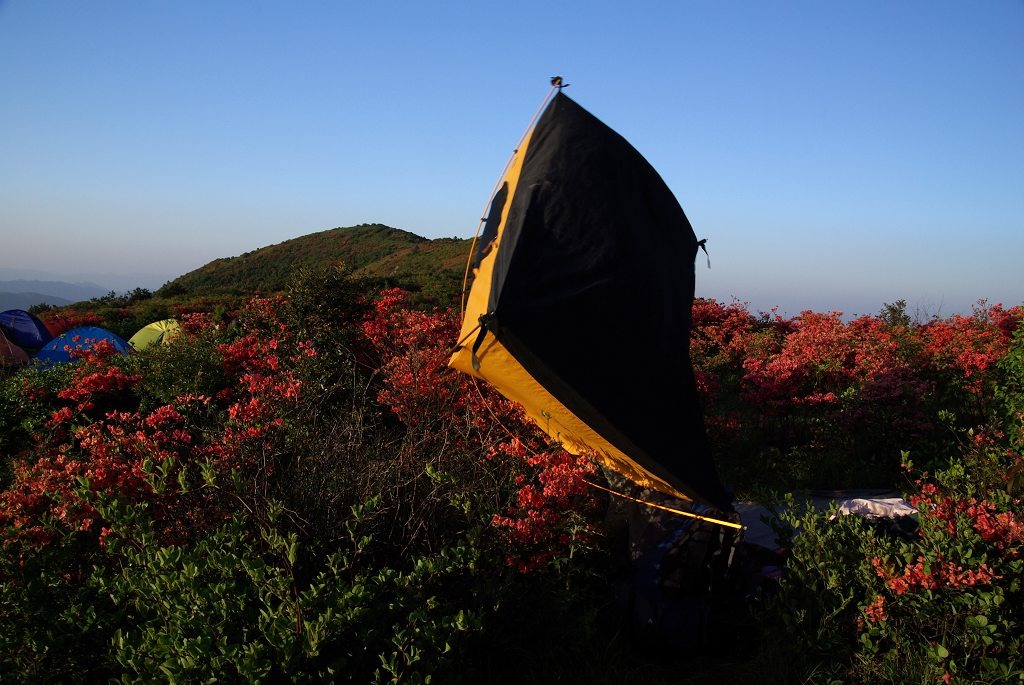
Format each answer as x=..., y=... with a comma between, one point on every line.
x=62, y=348
x=11, y=354
x=54, y=326
x=24, y=329
x=156, y=333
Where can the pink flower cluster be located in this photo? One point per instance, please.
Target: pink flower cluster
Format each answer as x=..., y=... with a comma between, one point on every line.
x=925, y=574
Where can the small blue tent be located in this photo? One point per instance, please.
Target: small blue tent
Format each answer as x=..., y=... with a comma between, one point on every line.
x=24, y=329
x=62, y=348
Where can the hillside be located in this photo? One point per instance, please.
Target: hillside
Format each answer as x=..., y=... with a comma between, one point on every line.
x=388, y=256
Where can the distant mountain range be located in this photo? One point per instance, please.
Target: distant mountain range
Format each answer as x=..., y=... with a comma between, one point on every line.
x=22, y=294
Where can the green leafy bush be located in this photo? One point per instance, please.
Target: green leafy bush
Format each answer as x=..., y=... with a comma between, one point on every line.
x=199, y=509
x=298, y=488
x=250, y=603
x=861, y=603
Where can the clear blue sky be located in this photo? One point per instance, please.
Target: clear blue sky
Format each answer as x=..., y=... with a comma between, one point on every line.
x=836, y=154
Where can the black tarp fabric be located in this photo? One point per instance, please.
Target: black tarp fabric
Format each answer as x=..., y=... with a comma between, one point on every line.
x=589, y=280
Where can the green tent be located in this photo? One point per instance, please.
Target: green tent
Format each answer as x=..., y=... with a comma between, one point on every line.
x=158, y=332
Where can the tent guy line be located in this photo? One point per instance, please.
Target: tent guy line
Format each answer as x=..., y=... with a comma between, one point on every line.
x=672, y=510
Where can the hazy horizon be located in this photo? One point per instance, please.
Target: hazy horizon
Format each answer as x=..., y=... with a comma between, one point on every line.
x=836, y=156
x=824, y=301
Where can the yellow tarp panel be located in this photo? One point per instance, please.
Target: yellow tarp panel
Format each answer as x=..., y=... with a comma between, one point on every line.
x=158, y=332
x=498, y=368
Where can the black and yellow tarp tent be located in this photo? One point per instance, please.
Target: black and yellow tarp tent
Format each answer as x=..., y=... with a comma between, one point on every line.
x=580, y=305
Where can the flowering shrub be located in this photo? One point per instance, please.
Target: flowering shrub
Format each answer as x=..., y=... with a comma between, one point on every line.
x=943, y=604
x=950, y=598
x=969, y=346
x=59, y=321
x=449, y=413
x=306, y=469
x=817, y=402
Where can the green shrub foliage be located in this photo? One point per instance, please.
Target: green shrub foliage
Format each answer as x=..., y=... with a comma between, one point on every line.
x=867, y=602
x=298, y=489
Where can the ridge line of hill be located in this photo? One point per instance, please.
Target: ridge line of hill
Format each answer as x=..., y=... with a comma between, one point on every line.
x=374, y=252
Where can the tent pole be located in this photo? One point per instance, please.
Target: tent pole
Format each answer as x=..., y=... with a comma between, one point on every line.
x=690, y=514
x=555, y=87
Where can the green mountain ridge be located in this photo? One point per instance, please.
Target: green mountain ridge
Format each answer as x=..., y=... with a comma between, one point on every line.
x=380, y=254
